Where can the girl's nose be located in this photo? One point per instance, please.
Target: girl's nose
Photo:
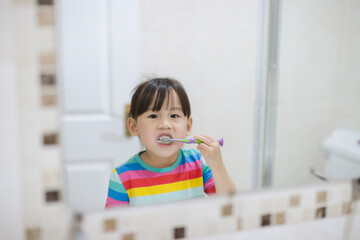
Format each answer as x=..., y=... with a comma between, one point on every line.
x=165, y=124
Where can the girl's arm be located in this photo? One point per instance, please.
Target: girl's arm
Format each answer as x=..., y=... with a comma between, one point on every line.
x=210, y=149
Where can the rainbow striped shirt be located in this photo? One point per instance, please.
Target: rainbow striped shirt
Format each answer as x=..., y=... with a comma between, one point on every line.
x=136, y=183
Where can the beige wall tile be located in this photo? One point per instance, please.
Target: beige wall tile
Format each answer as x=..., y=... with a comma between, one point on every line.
x=46, y=16
x=109, y=225
x=47, y=58
x=334, y=211
x=321, y=197
x=48, y=100
x=33, y=234
x=280, y=218
x=295, y=200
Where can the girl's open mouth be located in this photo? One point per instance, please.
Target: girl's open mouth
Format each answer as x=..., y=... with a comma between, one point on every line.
x=164, y=140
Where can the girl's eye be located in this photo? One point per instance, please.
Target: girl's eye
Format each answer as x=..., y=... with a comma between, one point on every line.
x=153, y=116
x=174, y=116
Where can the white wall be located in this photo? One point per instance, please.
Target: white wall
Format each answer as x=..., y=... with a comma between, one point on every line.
x=10, y=187
x=319, y=83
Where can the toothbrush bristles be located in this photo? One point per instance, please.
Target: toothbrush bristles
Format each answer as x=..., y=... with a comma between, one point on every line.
x=164, y=140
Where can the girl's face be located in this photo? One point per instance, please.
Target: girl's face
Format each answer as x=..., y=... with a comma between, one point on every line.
x=170, y=121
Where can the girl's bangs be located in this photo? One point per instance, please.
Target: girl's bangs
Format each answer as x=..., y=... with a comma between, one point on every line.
x=153, y=94
x=163, y=95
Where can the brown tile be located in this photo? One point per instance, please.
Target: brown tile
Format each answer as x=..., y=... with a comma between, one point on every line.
x=320, y=212
x=266, y=220
x=109, y=225
x=280, y=218
x=49, y=100
x=46, y=16
x=129, y=236
x=76, y=223
x=294, y=200
x=356, y=188
x=48, y=79
x=52, y=196
x=321, y=197
x=346, y=208
x=50, y=139
x=179, y=233
x=78, y=217
x=227, y=210
x=33, y=234
x=45, y=2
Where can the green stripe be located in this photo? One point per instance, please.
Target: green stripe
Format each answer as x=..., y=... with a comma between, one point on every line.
x=117, y=187
x=190, y=151
x=160, y=170
x=115, y=177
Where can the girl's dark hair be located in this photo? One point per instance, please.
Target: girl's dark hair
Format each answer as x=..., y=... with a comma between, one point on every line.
x=160, y=90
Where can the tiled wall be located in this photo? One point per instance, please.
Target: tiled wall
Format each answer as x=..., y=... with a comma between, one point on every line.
x=224, y=214
x=44, y=209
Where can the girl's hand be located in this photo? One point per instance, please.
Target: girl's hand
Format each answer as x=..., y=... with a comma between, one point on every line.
x=210, y=149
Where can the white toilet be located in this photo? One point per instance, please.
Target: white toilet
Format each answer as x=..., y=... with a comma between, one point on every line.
x=343, y=154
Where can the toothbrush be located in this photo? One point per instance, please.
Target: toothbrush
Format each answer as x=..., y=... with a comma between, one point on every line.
x=168, y=140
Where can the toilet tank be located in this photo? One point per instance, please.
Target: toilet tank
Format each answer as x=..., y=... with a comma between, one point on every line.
x=342, y=150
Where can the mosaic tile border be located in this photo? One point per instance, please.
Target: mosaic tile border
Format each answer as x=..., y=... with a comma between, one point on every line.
x=34, y=39
x=223, y=214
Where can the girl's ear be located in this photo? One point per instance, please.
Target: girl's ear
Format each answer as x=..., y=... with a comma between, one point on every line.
x=131, y=125
x=189, y=126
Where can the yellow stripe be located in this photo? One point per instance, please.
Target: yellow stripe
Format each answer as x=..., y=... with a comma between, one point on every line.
x=165, y=188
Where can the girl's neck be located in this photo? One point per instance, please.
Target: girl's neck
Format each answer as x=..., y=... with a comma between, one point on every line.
x=158, y=162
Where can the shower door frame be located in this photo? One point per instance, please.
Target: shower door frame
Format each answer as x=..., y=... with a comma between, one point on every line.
x=266, y=88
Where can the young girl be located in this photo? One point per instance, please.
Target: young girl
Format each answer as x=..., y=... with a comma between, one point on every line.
x=166, y=172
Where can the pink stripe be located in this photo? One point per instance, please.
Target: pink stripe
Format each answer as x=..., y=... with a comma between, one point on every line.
x=113, y=203
x=209, y=183
x=148, y=174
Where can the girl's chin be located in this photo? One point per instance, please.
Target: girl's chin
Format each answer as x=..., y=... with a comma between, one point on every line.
x=166, y=151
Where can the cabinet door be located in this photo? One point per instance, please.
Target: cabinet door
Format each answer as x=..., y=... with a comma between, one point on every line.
x=92, y=113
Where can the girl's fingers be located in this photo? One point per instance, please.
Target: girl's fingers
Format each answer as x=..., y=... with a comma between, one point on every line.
x=207, y=139
x=204, y=147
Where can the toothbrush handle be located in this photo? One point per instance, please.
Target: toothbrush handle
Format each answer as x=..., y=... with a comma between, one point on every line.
x=221, y=141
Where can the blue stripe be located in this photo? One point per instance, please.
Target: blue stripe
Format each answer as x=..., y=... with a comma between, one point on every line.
x=190, y=158
x=207, y=175
x=118, y=196
x=129, y=167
